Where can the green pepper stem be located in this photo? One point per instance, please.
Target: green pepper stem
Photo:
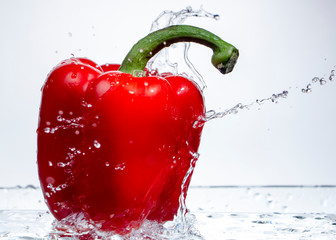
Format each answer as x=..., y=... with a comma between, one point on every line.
x=224, y=54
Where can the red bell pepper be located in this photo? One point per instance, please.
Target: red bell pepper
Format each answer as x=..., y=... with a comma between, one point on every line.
x=115, y=146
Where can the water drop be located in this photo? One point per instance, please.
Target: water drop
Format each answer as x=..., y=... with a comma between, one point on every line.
x=139, y=73
x=85, y=104
x=59, y=118
x=322, y=81
x=257, y=196
x=199, y=122
x=77, y=132
x=73, y=75
x=107, y=164
x=299, y=217
x=315, y=79
x=141, y=50
x=70, y=34
x=60, y=164
x=96, y=144
x=308, y=89
x=270, y=204
x=120, y=166
x=285, y=209
x=50, y=181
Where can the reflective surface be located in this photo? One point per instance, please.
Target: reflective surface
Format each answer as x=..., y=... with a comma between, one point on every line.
x=255, y=212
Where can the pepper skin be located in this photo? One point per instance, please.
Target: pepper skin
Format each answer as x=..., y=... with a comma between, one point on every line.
x=116, y=147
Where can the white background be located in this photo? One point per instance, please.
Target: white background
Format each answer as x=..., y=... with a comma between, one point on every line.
x=283, y=44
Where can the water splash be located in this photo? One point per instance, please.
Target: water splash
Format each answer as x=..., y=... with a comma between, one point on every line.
x=212, y=114
x=79, y=226
x=163, y=62
x=313, y=219
x=319, y=81
x=274, y=98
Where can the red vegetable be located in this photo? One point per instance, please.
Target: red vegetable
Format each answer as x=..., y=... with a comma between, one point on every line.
x=116, y=147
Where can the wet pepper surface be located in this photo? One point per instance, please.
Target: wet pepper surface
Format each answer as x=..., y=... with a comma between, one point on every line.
x=115, y=146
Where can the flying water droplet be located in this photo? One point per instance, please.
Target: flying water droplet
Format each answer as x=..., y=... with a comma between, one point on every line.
x=308, y=89
x=332, y=75
x=322, y=81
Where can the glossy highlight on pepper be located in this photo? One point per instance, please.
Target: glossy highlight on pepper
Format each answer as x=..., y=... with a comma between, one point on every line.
x=115, y=146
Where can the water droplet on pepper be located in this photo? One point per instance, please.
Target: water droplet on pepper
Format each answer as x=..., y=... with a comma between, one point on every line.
x=96, y=144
